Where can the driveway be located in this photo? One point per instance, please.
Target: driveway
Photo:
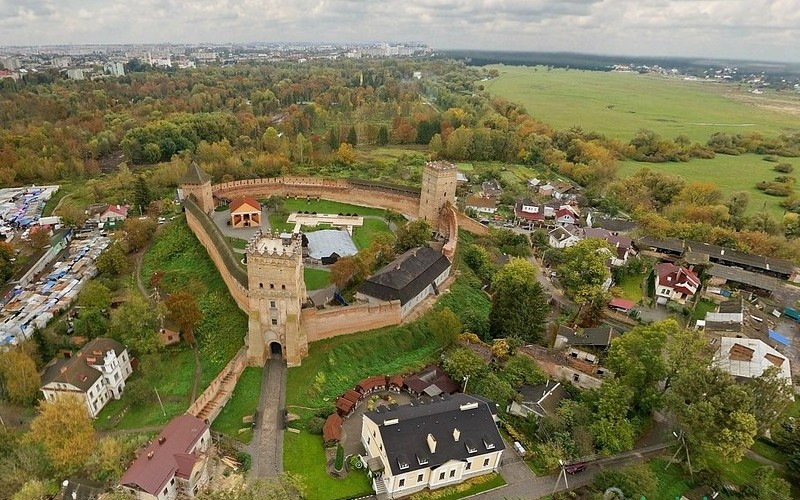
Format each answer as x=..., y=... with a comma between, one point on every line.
x=266, y=448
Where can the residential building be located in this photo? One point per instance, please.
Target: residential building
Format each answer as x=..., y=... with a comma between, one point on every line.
x=491, y=189
x=114, y=68
x=529, y=210
x=96, y=374
x=562, y=237
x=539, y=400
x=749, y=358
x=675, y=283
x=432, y=381
x=481, y=205
x=113, y=213
x=562, y=190
x=598, y=338
x=566, y=214
x=409, y=278
x=173, y=466
x=430, y=443
x=622, y=244
x=245, y=212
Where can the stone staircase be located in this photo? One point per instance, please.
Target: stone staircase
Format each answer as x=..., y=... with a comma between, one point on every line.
x=226, y=387
x=380, y=489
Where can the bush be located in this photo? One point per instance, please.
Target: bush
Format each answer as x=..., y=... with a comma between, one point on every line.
x=315, y=425
x=635, y=481
x=339, y=463
x=783, y=167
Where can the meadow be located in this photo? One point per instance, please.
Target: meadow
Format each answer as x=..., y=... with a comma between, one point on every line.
x=620, y=104
x=729, y=173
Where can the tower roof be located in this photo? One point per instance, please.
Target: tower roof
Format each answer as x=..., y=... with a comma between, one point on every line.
x=440, y=165
x=195, y=175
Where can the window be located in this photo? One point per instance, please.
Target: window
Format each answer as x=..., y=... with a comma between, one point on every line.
x=441, y=476
x=453, y=473
x=401, y=483
x=419, y=478
x=576, y=377
x=469, y=466
x=486, y=462
x=283, y=287
x=261, y=285
x=274, y=321
x=272, y=304
x=272, y=286
x=369, y=439
x=165, y=491
x=172, y=481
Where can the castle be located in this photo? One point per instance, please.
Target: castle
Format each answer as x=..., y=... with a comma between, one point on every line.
x=274, y=293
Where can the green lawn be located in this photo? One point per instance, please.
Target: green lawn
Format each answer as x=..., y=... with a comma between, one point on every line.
x=243, y=402
x=329, y=207
x=703, y=306
x=729, y=173
x=468, y=488
x=238, y=243
x=316, y=279
x=671, y=482
x=620, y=104
x=631, y=286
x=304, y=455
x=769, y=451
x=363, y=236
x=174, y=388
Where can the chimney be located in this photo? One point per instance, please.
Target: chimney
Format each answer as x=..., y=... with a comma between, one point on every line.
x=456, y=434
x=431, y=443
x=150, y=455
x=161, y=439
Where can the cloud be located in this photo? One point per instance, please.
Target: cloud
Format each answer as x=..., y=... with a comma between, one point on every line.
x=763, y=29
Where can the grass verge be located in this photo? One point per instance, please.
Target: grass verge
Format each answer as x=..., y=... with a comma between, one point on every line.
x=244, y=402
x=467, y=488
x=316, y=279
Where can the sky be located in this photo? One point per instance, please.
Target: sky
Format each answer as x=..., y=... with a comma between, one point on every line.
x=736, y=29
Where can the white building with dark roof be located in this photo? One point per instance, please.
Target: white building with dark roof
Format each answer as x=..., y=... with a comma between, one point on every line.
x=409, y=278
x=748, y=358
x=96, y=374
x=430, y=443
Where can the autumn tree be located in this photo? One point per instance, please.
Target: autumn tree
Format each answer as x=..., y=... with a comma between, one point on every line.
x=584, y=270
x=343, y=271
x=138, y=233
x=135, y=323
x=112, y=261
x=20, y=377
x=64, y=429
x=445, y=326
x=38, y=238
x=461, y=361
x=36, y=490
x=345, y=154
x=519, y=303
x=184, y=311
x=6, y=264
x=413, y=234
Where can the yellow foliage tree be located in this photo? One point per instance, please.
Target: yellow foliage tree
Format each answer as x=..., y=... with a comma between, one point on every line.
x=64, y=429
x=20, y=375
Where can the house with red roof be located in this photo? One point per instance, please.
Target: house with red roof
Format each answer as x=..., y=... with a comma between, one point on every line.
x=174, y=465
x=245, y=212
x=529, y=211
x=675, y=283
x=114, y=213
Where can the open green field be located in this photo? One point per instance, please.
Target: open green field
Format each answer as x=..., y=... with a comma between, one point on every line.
x=363, y=236
x=316, y=279
x=620, y=104
x=244, y=402
x=329, y=207
x=729, y=173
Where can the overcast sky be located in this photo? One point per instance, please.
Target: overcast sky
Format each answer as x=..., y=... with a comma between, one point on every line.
x=756, y=29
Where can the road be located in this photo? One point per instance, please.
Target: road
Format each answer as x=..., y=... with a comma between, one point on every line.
x=266, y=449
x=523, y=484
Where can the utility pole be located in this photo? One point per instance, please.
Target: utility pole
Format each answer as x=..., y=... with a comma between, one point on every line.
x=466, y=381
x=160, y=403
x=563, y=472
x=682, y=446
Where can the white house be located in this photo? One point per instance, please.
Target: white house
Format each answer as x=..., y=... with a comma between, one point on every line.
x=566, y=214
x=430, y=443
x=562, y=237
x=481, y=204
x=172, y=466
x=675, y=283
x=409, y=278
x=748, y=358
x=114, y=213
x=96, y=374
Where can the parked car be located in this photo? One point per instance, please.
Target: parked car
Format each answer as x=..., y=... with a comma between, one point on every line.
x=576, y=467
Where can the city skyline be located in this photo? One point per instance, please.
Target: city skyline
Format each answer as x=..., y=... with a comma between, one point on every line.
x=657, y=28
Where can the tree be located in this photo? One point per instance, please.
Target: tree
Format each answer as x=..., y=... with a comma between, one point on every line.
x=91, y=323
x=138, y=232
x=477, y=258
x=584, y=270
x=685, y=351
x=635, y=481
x=737, y=203
x=521, y=370
x=412, y=235
x=519, y=303
x=64, y=429
x=714, y=413
x=36, y=490
x=638, y=362
x=772, y=396
x=20, y=376
x=6, y=263
x=184, y=311
x=343, y=271
x=141, y=194
x=445, y=326
x=612, y=430
x=112, y=261
x=461, y=361
x=383, y=136
x=345, y=154
x=352, y=137
x=38, y=238
x=95, y=296
x=767, y=485
x=135, y=323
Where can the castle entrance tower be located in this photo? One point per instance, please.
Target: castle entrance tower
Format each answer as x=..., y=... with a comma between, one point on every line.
x=277, y=292
x=438, y=188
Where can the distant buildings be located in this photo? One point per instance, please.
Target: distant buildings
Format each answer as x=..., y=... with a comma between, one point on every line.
x=115, y=68
x=96, y=374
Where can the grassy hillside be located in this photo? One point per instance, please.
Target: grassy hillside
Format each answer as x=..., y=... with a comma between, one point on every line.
x=729, y=173
x=619, y=104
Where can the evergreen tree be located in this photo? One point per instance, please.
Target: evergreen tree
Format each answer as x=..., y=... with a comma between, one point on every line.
x=519, y=303
x=383, y=136
x=141, y=194
x=352, y=137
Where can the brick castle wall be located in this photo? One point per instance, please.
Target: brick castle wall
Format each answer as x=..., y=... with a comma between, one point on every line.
x=329, y=323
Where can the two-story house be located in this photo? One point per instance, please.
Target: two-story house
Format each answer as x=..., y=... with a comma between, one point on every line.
x=96, y=374
x=430, y=443
x=675, y=283
x=174, y=465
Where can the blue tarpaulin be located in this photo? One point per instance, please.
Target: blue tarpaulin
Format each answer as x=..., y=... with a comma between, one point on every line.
x=778, y=337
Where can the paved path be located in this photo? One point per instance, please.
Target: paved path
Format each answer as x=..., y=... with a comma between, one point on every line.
x=523, y=484
x=266, y=448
